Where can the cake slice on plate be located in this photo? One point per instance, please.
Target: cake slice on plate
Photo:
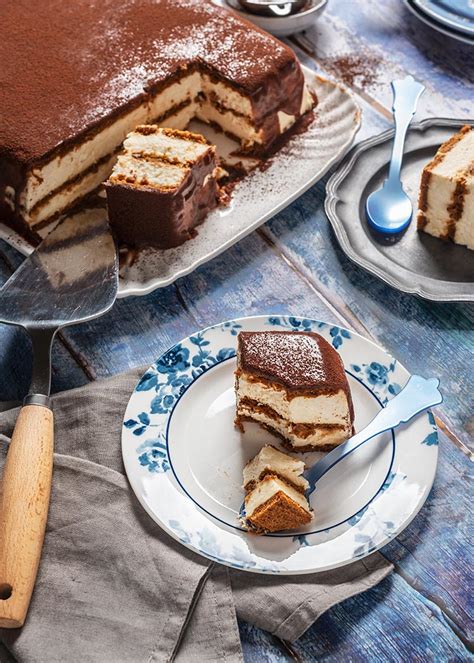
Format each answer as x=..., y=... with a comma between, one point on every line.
x=162, y=186
x=293, y=384
x=446, y=199
x=274, y=486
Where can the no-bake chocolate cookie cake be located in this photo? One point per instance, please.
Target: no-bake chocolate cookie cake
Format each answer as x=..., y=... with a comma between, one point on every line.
x=446, y=199
x=294, y=384
x=162, y=186
x=77, y=77
x=275, y=492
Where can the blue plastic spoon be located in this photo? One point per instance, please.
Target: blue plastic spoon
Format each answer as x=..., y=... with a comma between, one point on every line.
x=418, y=394
x=389, y=209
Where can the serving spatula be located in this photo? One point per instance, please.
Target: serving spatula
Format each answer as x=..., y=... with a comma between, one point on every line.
x=71, y=277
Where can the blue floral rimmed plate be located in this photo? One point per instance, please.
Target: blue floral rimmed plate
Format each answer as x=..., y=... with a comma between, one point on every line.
x=184, y=457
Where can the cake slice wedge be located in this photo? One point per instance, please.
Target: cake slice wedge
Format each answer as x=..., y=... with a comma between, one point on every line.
x=293, y=384
x=446, y=199
x=163, y=185
x=275, y=499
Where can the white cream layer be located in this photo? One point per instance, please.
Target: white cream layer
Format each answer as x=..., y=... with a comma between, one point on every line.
x=52, y=175
x=267, y=489
x=458, y=158
x=442, y=185
x=324, y=409
x=270, y=459
x=161, y=145
x=144, y=172
x=70, y=194
x=237, y=125
x=319, y=438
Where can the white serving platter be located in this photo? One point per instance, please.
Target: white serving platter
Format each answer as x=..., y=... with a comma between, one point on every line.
x=257, y=198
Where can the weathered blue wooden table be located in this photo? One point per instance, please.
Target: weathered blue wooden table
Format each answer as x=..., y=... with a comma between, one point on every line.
x=293, y=265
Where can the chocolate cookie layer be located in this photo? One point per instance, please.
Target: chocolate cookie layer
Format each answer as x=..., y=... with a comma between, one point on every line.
x=162, y=187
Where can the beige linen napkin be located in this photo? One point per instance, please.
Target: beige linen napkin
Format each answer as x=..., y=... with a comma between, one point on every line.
x=112, y=586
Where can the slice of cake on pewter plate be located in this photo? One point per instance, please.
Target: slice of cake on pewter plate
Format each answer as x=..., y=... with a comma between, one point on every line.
x=446, y=200
x=275, y=488
x=293, y=384
x=162, y=186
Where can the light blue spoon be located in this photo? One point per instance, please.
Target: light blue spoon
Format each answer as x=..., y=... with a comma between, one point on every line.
x=389, y=209
x=417, y=395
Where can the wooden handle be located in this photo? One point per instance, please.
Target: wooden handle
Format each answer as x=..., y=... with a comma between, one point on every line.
x=24, y=502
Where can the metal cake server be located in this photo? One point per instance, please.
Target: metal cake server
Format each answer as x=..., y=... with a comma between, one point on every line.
x=389, y=209
x=418, y=394
x=71, y=277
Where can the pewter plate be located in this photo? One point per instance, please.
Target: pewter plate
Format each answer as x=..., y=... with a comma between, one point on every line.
x=415, y=262
x=432, y=23
x=261, y=195
x=451, y=14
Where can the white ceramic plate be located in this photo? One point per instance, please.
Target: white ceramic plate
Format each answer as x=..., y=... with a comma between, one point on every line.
x=262, y=194
x=184, y=457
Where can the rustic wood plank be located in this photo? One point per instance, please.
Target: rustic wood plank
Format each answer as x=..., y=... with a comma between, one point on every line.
x=261, y=647
x=369, y=44
x=432, y=554
x=389, y=623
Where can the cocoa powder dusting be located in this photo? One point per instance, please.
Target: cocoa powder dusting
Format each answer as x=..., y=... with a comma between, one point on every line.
x=354, y=70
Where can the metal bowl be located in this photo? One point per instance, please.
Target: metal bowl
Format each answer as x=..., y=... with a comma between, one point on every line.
x=274, y=8
x=281, y=26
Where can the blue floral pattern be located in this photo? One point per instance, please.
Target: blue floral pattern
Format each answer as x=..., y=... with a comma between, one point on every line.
x=164, y=383
x=168, y=380
x=379, y=377
x=431, y=440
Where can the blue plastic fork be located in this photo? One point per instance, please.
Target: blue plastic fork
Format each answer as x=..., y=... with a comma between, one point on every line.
x=418, y=394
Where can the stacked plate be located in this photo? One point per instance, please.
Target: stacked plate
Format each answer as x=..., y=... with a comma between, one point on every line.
x=454, y=18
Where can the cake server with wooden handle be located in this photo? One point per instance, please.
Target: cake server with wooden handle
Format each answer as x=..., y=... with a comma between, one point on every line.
x=71, y=277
